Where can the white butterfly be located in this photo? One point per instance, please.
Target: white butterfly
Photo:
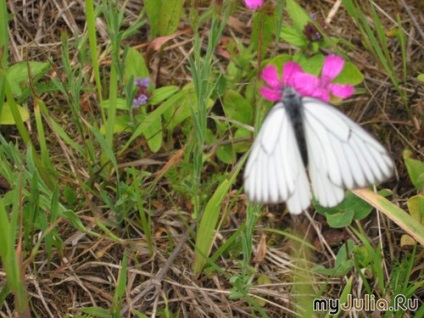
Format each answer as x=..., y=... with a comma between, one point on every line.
x=302, y=132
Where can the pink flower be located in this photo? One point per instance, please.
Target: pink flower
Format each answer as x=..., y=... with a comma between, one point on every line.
x=270, y=75
x=253, y=4
x=321, y=87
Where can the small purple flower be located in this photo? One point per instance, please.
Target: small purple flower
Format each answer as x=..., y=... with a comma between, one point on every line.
x=321, y=87
x=142, y=82
x=253, y=4
x=142, y=96
x=140, y=100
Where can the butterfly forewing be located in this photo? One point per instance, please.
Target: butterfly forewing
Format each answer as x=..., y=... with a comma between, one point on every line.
x=274, y=172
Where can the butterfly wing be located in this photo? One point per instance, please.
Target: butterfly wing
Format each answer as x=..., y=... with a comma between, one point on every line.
x=274, y=172
x=341, y=154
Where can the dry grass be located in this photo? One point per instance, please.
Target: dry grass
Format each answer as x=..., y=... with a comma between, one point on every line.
x=85, y=272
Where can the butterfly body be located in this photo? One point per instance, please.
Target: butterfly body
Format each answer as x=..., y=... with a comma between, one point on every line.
x=305, y=147
x=295, y=114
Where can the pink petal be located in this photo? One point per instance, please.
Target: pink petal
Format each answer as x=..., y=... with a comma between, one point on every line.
x=333, y=65
x=290, y=70
x=342, y=91
x=306, y=84
x=321, y=94
x=253, y=4
x=271, y=94
x=270, y=76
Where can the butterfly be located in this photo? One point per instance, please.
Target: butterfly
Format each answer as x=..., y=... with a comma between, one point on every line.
x=307, y=143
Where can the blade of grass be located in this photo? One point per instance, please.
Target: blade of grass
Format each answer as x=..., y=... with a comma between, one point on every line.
x=393, y=212
x=45, y=156
x=91, y=30
x=207, y=226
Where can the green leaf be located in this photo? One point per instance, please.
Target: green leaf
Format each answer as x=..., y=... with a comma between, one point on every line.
x=415, y=170
x=236, y=107
x=226, y=154
x=241, y=147
x=166, y=107
x=18, y=73
x=342, y=215
x=153, y=14
x=349, y=75
x=154, y=135
x=182, y=103
x=121, y=283
x=312, y=65
x=416, y=207
x=162, y=93
x=343, y=262
x=170, y=15
x=340, y=219
x=135, y=65
x=6, y=116
x=362, y=256
x=120, y=104
x=421, y=77
x=297, y=14
x=263, y=20
x=122, y=123
x=279, y=61
x=98, y=312
x=293, y=36
x=205, y=233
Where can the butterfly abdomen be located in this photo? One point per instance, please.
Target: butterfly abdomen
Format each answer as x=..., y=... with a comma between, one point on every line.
x=293, y=105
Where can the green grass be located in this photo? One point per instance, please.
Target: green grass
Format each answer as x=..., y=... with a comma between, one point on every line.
x=73, y=210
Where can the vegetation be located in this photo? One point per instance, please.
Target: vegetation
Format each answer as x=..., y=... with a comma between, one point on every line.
x=124, y=130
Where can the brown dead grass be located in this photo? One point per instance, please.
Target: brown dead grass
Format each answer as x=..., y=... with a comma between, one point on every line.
x=85, y=274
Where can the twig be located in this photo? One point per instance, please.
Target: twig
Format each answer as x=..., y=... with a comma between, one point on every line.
x=153, y=286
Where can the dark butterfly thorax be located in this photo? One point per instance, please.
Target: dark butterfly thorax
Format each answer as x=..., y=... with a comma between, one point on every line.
x=293, y=104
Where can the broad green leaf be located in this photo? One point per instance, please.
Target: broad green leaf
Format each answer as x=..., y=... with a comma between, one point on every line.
x=340, y=219
x=297, y=14
x=170, y=15
x=349, y=75
x=6, y=116
x=241, y=147
x=236, y=107
x=154, y=135
x=226, y=154
x=18, y=73
x=205, y=234
x=153, y=14
x=121, y=104
x=312, y=65
x=349, y=209
x=263, y=20
x=181, y=110
x=362, y=256
x=416, y=207
x=135, y=65
x=122, y=123
x=155, y=115
x=279, y=61
x=343, y=262
x=415, y=170
x=162, y=93
x=293, y=36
